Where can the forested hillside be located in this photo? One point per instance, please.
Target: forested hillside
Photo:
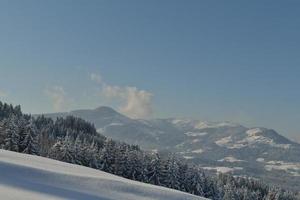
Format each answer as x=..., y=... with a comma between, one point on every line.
x=76, y=141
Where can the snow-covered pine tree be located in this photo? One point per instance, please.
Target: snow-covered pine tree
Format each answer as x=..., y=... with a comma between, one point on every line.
x=78, y=151
x=30, y=142
x=108, y=156
x=182, y=170
x=155, y=170
x=230, y=190
x=2, y=131
x=146, y=159
x=56, y=150
x=196, y=182
x=67, y=150
x=12, y=138
x=134, y=165
x=172, y=177
x=122, y=161
x=92, y=155
x=22, y=123
x=46, y=137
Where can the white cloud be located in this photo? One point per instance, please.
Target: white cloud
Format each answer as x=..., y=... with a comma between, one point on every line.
x=58, y=97
x=138, y=103
x=96, y=77
x=110, y=91
x=3, y=94
x=134, y=103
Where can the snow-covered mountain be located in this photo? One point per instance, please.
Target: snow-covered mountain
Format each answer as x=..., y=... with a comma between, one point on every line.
x=30, y=177
x=216, y=146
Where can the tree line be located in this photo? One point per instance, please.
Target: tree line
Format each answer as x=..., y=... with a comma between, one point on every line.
x=76, y=141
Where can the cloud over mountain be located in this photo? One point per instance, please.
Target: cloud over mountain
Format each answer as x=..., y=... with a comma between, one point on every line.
x=3, y=94
x=58, y=97
x=134, y=102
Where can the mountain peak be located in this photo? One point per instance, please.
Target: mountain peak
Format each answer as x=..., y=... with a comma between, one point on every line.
x=268, y=133
x=105, y=109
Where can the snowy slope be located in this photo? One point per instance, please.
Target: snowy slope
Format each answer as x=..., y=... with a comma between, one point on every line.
x=29, y=177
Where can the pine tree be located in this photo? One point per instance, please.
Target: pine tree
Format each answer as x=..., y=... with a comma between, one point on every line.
x=22, y=125
x=183, y=168
x=67, y=150
x=3, y=127
x=123, y=161
x=230, y=190
x=134, y=165
x=12, y=139
x=78, y=151
x=172, y=177
x=56, y=150
x=92, y=155
x=30, y=142
x=155, y=170
x=108, y=156
x=196, y=182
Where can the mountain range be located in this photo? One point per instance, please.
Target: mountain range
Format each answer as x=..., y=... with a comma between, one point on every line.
x=224, y=147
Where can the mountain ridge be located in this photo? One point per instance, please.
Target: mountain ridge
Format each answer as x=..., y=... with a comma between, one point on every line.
x=215, y=146
x=197, y=124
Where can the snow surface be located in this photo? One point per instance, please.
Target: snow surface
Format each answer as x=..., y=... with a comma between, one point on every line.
x=195, y=141
x=254, y=131
x=231, y=159
x=224, y=141
x=116, y=124
x=195, y=134
x=188, y=157
x=289, y=167
x=198, y=151
x=204, y=125
x=260, y=160
x=223, y=170
x=196, y=124
x=30, y=177
x=253, y=137
x=292, y=168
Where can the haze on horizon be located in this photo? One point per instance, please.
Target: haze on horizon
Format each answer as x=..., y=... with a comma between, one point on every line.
x=216, y=61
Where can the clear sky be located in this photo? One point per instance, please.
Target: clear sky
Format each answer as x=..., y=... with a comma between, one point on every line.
x=213, y=60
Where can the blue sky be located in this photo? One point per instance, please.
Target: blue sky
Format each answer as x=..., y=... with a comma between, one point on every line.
x=213, y=60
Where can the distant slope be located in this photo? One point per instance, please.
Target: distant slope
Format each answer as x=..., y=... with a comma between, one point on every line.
x=216, y=146
x=30, y=177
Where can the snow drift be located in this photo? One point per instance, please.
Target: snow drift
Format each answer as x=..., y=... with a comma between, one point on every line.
x=30, y=177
